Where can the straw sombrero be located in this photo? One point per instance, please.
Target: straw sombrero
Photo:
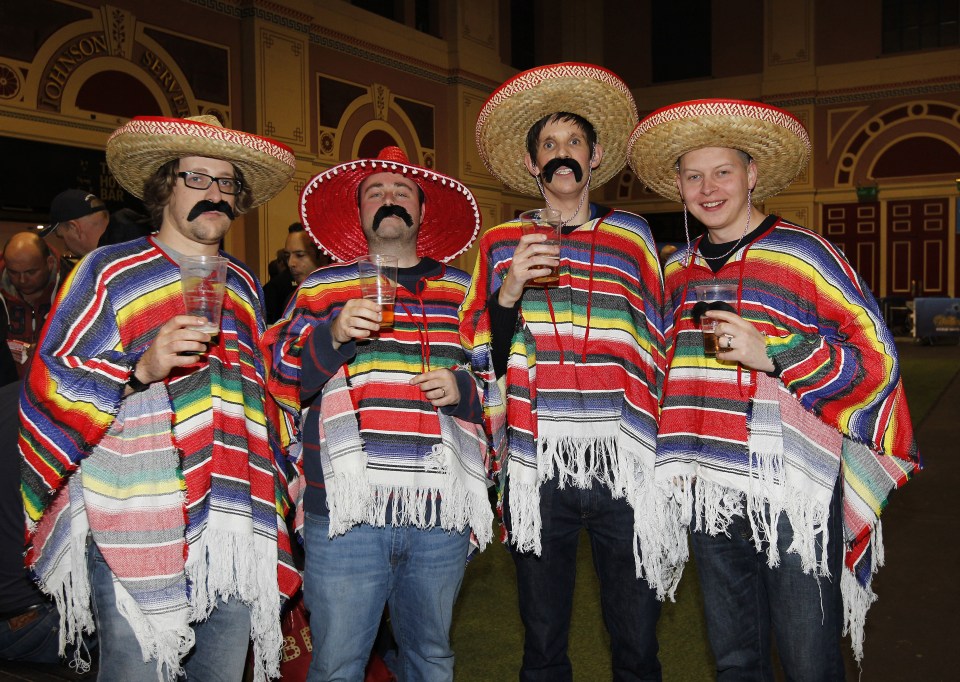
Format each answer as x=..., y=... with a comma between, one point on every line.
x=329, y=211
x=775, y=139
x=138, y=148
x=592, y=92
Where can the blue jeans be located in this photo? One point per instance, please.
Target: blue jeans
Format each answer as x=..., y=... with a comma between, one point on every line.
x=745, y=600
x=219, y=655
x=37, y=641
x=545, y=585
x=348, y=580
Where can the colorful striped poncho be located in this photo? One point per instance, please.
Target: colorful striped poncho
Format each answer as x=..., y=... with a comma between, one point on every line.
x=835, y=406
x=580, y=398
x=374, y=449
x=178, y=485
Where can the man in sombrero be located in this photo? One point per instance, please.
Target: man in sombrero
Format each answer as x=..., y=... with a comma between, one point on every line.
x=571, y=371
x=781, y=450
x=150, y=475
x=390, y=419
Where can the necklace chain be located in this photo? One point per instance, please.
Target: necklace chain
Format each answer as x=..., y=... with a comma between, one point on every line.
x=583, y=195
x=736, y=244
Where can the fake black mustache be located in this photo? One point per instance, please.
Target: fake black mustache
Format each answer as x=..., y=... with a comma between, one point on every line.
x=553, y=165
x=391, y=210
x=207, y=205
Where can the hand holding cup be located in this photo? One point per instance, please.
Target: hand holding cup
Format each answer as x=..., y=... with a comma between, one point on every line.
x=545, y=221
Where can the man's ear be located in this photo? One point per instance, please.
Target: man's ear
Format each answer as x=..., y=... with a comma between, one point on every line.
x=531, y=166
x=597, y=155
x=752, y=175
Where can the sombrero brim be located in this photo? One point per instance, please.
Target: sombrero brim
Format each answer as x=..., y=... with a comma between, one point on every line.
x=592, y=92
x=776, y=140
x=329, y=211
x=142, y=145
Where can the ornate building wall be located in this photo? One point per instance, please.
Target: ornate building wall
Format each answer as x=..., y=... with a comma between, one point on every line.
x=335, y=82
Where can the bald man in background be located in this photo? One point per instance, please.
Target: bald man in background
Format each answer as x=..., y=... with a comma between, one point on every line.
x=28, y=286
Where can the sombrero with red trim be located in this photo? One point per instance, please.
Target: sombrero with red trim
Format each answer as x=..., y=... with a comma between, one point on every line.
x=775, y=139
x=138, y=148
x=329, y=211
x=590, y=91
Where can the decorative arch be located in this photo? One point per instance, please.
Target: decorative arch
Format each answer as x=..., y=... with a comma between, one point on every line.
x=934, y=119
x=377, y=111
x=368, y=144
x=94, y=70
x=112, y=41
x=901, y=157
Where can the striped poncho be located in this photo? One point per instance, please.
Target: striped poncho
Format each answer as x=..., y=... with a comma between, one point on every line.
x=580, y=397
x=178, y=485
x=835, y=406
x=374, y=449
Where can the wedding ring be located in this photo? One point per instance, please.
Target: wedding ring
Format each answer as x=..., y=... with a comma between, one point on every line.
x=444, y=394
x=729, y=339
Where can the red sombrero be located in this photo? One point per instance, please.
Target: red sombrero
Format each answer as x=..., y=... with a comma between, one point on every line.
x=329, y=212
x=775, y=139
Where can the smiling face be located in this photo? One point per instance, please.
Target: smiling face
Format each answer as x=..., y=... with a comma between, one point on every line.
x=714, y=182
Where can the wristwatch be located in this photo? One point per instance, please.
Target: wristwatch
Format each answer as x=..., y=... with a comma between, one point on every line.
x=134, y=383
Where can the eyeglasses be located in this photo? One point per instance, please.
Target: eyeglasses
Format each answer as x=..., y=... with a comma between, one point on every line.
x=195, y=180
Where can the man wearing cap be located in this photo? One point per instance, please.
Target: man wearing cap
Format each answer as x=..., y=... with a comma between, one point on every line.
x=780, y=451
x=79, y=218
x=393, y=446
x=575, y=430
x=28, y=287
x=173, y=537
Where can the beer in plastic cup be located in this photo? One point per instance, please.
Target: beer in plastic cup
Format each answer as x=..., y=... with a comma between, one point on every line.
x=378, y=283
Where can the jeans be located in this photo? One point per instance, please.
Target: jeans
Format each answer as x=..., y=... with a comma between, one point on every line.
x=219, y=654
x=744, y=600
x=546, y=583
x=36, y=642
x=348, y=580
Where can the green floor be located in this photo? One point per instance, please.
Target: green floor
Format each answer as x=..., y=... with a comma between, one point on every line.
x=488, y=637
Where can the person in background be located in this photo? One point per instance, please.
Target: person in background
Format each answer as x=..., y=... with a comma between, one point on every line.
x=303, y=255
x=575, y=433
x=29, y=283
x=779, y=452
x=393, y=448
x=29, y=620
x=280, y=285
x=172, y=540
x=126, y=224
x=79, y=218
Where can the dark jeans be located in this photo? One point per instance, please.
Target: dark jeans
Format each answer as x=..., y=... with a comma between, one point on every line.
x=36, y=641
x=34, y=637
x=745, y=600
x=545, y=584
